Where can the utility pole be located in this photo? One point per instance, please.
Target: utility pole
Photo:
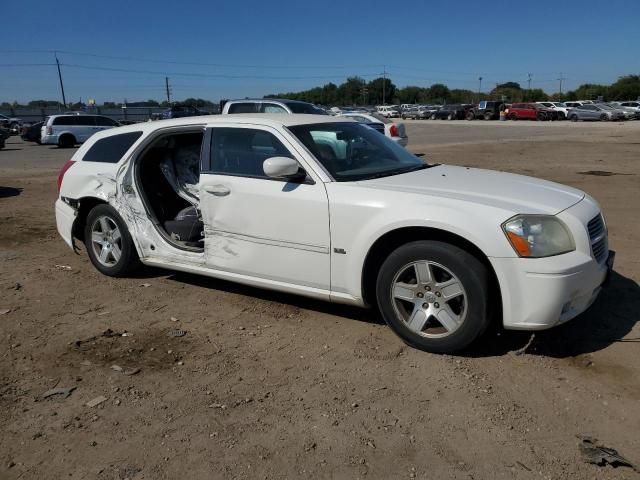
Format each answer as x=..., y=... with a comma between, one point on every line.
x=64, y=99
x=560, y=80
x=166, y=84
x=479, y=86
x=384, y=83
x=529, y=80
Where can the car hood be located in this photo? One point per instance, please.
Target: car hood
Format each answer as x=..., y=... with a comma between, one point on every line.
x=516, y=193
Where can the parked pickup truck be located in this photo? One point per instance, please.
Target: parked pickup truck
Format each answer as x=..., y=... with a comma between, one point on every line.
x=12, y=124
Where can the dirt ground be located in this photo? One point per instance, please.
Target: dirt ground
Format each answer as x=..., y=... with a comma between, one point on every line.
x=265, y=385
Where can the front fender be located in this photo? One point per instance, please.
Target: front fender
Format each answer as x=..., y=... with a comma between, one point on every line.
x=357, y=225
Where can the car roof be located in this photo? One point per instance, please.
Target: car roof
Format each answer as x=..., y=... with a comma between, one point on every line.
x=281, y=100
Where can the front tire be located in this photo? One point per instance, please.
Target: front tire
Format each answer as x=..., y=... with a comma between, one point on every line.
x=434, y=295
x=109, y=243
x=573, y=117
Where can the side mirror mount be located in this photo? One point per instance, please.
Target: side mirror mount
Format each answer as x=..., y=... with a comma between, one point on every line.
x=281, y=168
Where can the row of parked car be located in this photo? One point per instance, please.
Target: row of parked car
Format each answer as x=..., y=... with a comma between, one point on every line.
x=494, y=110
x=67, y=130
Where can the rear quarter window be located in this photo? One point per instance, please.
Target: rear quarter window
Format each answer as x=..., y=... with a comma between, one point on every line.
x=111, y=149
x=64, y=121
x=242, y=108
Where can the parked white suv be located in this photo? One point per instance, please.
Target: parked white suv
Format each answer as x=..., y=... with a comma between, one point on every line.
x=388, y=111
x=328, y=208
x=271, y=105
x=70, y=129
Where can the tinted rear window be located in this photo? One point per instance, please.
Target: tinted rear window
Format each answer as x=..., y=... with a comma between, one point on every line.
x=111, y=149
x=242, y=108
x=105, y=122
x=305, y=108
x=70, y=120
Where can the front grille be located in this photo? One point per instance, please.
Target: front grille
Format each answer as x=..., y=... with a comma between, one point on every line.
x=598, y=238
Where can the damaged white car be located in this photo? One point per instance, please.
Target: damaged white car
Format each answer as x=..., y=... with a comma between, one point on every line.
x=328, y=208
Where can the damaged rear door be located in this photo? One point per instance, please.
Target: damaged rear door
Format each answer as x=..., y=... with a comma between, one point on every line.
x=255, y=225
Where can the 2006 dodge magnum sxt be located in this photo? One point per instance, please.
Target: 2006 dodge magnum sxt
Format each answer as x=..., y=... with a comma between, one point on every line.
x=331, y=209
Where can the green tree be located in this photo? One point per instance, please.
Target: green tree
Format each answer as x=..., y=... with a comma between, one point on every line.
x=625, y=88
x=438, y=92
x=375, y=88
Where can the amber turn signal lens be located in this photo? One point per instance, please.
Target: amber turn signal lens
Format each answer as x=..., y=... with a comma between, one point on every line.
x=520, y=244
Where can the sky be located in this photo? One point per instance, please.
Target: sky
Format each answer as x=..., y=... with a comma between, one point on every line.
x=115, y=50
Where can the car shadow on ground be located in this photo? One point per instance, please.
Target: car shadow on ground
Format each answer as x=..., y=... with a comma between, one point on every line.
x=6, y=192
x=607, y=321
x=349, y=312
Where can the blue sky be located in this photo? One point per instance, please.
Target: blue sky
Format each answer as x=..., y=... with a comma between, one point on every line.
x=222, y=49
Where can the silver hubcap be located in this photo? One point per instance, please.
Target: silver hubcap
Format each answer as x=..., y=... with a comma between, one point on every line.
x=429, y=299
x=106, y=241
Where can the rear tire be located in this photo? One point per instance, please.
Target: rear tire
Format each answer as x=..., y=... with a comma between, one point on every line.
x=513, y=116
x=488, y=116
x=434, y=295
x=109, y=243
x=573, y=117
x=433, y=116
x=450, y=116
x=603, y=117
x=66, y=141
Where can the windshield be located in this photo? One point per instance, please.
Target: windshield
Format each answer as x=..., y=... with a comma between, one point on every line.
x=351, y=151
x=559, y=104
x=305, y=108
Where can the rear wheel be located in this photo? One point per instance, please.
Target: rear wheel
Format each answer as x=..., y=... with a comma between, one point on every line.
x=433, y=116
x=541, y=116
x=488, y=116
x=451, y=116
x=573, y=117
x=513, y=116
x=66, y=141
x=604, y=117
x=109, y=243
x=434, y=295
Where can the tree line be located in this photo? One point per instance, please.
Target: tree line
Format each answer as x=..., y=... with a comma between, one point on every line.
x=357, y=91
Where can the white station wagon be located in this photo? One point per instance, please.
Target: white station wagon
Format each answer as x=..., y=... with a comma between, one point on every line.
x=328, y=208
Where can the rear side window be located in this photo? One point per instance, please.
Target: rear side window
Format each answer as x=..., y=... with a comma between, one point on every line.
x=105, y=122
x=242, y=108
x=70, y=120
x=112, y=148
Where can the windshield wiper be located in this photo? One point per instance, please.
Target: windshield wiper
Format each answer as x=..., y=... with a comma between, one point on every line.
x=398, y=171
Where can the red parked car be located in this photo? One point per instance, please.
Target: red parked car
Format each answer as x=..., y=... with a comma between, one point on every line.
x=531, y=111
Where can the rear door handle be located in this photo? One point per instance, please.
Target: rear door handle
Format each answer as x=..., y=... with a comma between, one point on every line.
x=217, y=190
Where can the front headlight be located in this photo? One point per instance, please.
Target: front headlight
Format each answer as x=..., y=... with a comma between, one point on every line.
x=536, y=236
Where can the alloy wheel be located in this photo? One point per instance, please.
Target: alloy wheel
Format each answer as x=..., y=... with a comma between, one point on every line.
x=106, y=241
x=429, y=299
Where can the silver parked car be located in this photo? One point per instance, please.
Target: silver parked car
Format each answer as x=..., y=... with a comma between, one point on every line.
x=594, y=112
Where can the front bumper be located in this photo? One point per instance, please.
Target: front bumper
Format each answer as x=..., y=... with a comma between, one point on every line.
x=545, y=292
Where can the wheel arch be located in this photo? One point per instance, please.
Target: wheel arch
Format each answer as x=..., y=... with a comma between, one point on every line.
x=85, y=205
x=393, y=239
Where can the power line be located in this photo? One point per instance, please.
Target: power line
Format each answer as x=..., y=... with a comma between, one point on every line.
x=207, y=75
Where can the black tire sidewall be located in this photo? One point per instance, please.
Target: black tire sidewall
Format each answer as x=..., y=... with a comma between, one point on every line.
x=66, y=141
x=469, y=270
x=129, y=260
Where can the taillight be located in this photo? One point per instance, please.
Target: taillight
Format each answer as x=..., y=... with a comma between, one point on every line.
x=49, y=131
x=64, y=169
x=393, y=130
